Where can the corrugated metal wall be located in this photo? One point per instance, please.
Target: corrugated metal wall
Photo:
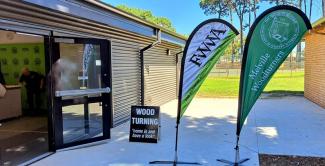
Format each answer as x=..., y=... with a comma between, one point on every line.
x=160, y=76
x=126, y=79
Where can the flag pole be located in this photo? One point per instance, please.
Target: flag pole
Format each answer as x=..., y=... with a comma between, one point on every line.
x=239, y=112
x=179, y=108
x=212, y=38
x=175, y=162
x=237, y=161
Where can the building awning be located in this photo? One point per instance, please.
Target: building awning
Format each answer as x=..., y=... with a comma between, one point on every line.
x=106, y=14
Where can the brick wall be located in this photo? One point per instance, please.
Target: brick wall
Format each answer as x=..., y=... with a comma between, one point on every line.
x=315, y=68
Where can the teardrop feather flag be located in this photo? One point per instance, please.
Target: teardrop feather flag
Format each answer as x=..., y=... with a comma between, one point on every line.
x=203, y=49
x=272, y=37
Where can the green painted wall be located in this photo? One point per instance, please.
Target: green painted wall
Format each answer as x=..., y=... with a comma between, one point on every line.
x=14, y=57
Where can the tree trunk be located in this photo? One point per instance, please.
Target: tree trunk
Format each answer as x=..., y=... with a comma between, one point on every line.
x=254, y=5
x=310, y=9
x=241, y=39
x=240, y=10
x=323, y=7
x=305, y=3
x=249, y=15
x=232, y=43
x=300, y=4
x=219, y=12
x=298, y=51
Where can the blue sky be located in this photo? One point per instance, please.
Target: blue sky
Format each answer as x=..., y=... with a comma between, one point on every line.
x=187, y=14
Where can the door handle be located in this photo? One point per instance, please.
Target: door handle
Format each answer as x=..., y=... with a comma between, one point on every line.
x=82, y=92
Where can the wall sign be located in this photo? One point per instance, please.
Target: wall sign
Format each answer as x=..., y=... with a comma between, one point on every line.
x=144, y=124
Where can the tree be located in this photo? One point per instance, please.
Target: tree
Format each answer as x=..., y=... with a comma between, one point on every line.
x=310, y=8
x=233, y=42
x=284, y=2
x=298, y=51
x=240, y=8
x=219, y=7
x=233, y=50
x=323, y=7
x=148, y=16
x=255, y=7
x=305, y=4
x=252, y=6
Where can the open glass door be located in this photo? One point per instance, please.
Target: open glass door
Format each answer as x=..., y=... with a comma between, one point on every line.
x=82, y=90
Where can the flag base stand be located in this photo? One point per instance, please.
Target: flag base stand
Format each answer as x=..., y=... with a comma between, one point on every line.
x=238, y=161
x=175, y=162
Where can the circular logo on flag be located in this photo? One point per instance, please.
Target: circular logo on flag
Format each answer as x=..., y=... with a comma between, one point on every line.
x=279, y=30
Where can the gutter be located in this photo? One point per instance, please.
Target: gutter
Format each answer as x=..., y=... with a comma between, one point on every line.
x=158, y=41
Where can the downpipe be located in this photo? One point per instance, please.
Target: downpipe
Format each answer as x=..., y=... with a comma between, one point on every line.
x=158, y=41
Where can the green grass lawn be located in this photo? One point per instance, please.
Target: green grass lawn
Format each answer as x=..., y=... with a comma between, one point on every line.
x=228, y=86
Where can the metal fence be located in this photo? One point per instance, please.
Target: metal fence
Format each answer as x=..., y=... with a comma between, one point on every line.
x=230, y=67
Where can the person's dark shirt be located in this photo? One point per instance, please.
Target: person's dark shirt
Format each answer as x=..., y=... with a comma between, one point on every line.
x=33, y=81
x=2, y=79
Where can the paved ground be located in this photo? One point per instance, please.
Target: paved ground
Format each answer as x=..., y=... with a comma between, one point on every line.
x=22, y=139
x=288, y=126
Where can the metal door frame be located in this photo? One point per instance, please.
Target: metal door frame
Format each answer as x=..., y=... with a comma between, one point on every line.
x=14, y=26
x=106, y=79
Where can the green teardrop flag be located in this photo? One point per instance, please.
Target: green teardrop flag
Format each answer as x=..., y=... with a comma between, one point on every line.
x=272, y=37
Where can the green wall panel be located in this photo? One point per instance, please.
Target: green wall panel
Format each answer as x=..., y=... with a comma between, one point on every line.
x=14, y=57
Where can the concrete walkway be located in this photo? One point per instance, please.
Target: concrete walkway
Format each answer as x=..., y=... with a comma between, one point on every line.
x=289, y=126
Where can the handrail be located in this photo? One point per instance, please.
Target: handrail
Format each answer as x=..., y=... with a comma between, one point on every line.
x=82, y=92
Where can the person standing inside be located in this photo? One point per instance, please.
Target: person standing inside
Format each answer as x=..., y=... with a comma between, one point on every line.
x=2, y=79
x=34, y=84
x=2, y=84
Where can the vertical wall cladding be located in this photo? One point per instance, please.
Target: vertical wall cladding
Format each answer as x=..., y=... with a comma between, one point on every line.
x=160, y=75
x=126, y=79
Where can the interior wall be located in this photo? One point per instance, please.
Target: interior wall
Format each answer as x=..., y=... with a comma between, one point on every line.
x=18, y=51
x=9, y=37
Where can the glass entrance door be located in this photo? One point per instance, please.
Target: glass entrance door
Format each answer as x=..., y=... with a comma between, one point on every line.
x=82, y=90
